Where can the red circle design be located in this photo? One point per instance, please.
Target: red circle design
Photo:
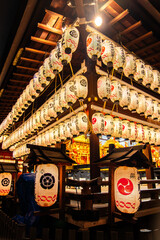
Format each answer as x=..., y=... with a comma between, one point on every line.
x=103, y=49
x=125, y=186
x=112, y=87
x=94, y=120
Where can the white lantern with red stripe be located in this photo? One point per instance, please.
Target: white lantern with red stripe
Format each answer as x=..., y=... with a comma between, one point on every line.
x=153, y=136
x=133, y=101
x=156, y=80
x=127, y=189
x=147, y=135
x=104, y=87
x=32, y=90
x=42, y=79
x=140, y=133
x=5, y=183
x=68, y=127
x=70, y=93
x=157, y=143
x=126, y=129
x=149, y=107
x=155, y=115
x=140, y=71
x=81, y=87
x=148, y=78
x=56, y=102
x=36, y=83
x=62, y=99
x=55, y=63
x=47, y=71
x=29, y=98
x=133, y=135
x=98, y=123
x=94, y=43
x=43, y=119
x=126, y=98
x=130, y=66
x=38, y=119
x=52, y=136
x=107, y=53
x=70, y=39
x=62, y=56
x=51, y=109
x=61, y=130
x=117, y=133
x=56, y=134
x=119, y=59
x=46, y=185
x=116, y=91
x=81, y=122
x=108, y=125
x=74, y=130
x=141, y=104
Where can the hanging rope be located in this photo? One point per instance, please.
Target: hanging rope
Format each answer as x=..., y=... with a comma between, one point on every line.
x=112, y=73
x=71, y=68
x=60, y=79
x=121, y=75
x=117, y=108
x=112, y=109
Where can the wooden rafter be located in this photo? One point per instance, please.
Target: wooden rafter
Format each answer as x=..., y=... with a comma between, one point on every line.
x=18, y=81
x=50, y=29
x=54, y=14
x=22, y=75
x=36, y=51
x=139, y=39
x=119, y=17
x=152, y=56
x=31, y=60
x=156, y=64
x=104, y=6
x=43, y=41
x=10, y=91
x=27, y=68
x=131, y=28
x=142, y=50
x=14, y=86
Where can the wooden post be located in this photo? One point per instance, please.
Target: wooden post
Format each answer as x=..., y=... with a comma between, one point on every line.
x=62, y=191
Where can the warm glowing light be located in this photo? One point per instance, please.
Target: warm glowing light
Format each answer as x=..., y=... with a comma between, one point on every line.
x=98, y=21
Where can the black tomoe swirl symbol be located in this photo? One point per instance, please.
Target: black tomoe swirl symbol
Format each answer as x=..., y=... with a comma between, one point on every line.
x=83, y=82
x=5, y=182
x=47, y=181
x=73, y=33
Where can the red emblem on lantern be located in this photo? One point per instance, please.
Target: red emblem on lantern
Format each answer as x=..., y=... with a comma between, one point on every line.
x=112, y=87
x=89, y=40
x=94, y=120
x=125, y=186
x=103, y=49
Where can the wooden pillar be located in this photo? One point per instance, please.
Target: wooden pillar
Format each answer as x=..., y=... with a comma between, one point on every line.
x=149, y=172
x=62, y=191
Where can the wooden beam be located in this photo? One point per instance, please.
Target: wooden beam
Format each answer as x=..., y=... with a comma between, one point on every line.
x=10, y=91
x=104, y=6
x=131, y=28
x=8, y=100
x=14, y=86
x=36, y=51
x=139, y=39
x=142, y=50
x=50, y=29
x=152, y=56
x=31, y=60
x=43, y=41
x=18, y=81
x=27, y=68
x=156, y=64
x=54, y=14
x=23, y=75
x=119, y=17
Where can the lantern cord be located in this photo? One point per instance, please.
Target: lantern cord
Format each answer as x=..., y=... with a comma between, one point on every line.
x=117, y=108
x=112, y=109
x=56, y=84
x=32, y=108
x=60, y=79
x=71, y=68
x=121, y=75
x=89, y=122
x=131, y=82
x=112, y=73
x=47, y=88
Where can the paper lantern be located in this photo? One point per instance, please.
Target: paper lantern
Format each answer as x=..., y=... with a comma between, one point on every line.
x=43, y=119
x=42, y=79
x=35, y=123
x=146, y=134
x=51, y=109
x=155, y=115
x=31, y=124
x=119, y=59
x=47, y=71
x=126, y=129
x=62, y=99
x=36, y=83
x=74, y=130
x=19, y=107
x=82, y=122
x=98, y=123
x=156, y=80
x=67, y=130
x=149, y=107
x=81, y=87
x=130, y=66
x=133, y=105
x=47, y=117
x=56, y=102
x=52, y=137
x=157, y=143
x=70, y=39
x=133, y=135
x=32, y=91
x=140, y=133
x=5, y=183
x=107, y=53
x=55, y=63
x=62, y=56
x=38, y=140
x=47, y=138
x=46, y=185
x=127, y=189
x=61, y=131
x=28, y=128
x=104, y=88
x=126, y=98
x=94, y=43
x=152, y=136
x=29, y=98
x=148, y=78
x=117, y=133
x=141, y=104
x=140, y=71
x=116, y=91
x=70, y=93
x=43, y=139
x=38, y=119
x=56, y=134
x=108, y=125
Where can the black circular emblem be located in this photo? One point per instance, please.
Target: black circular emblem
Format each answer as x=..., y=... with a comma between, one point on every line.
x=5, y=182
x=73, y=33
x=83, y=82
x=84, y=119
x=47, y=181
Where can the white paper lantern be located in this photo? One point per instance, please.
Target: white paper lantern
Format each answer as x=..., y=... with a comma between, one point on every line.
x=98, y=123
x=62, y=56
x=47, y=71
x=29, y=98
x=116, y=91
x=126, y=189
x=74, y=130
x=47, y=138
x=155, y=115
x=32, y=91
x=56, y=134
x=5, y=183
x=56, y=102
x=42, y=79
x=82, y=122
x=70, y=39
x=46, y=185
x=153, y=136
x=94, y=43
x=140, y=133
x=61, y=130
x=147, y=135
x=156, y=80
x=70, y=93
x=140, y=71
x=19, y=107
x=130, y=66
x=43, y=119
x=117, y=133
x=119, y=59
x=52, y=136
x=133, y=135
x=126, y=129
x=38, y=119
x=108, y=52
x=68, y=126
x=36, y=83
x=51, y=109
x=141, y=104
x=149, y=107
x=62, y=99
x=31, y=124
x=55, y=63
x=157, y=143
x=35, y=124
x=126, y=98
x=133, y=101
x=43, y=139
x=104, y=88
x=148, y=78
x=81, y=87
x=38, y=140
x=108, y=125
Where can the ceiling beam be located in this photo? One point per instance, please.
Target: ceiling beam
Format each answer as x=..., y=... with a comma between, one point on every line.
x=22, y=75
x=27, y=68
x=119, y=17
x=104, y=6
x=43, y=41
x=131, y=28
x=18, y=81
x=54, y=14
x=49, y=29
x=152, y=56
x=139, y=39
x=156, y=64
x=36, y=51
x=10, y=91
x=31, y=60
x=14, y=86
x=142, y=50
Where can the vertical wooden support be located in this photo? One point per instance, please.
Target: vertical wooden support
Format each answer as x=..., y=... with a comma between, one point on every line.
x=149, y=172
x=62, y=191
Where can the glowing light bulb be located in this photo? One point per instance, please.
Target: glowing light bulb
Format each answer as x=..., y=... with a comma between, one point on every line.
x=98, y=21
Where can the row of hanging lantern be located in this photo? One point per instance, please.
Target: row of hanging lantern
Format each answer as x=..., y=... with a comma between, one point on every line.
x=72, y=127
x=121, y=61
x=127, y=98
x=52, y=65
x=118, y=128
